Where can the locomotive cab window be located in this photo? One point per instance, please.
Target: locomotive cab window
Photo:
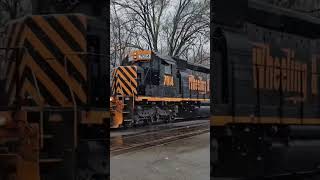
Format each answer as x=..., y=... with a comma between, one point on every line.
x=168, y=69
x=139, y=76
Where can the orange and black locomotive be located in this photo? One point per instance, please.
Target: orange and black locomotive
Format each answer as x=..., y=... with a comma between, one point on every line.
x=54, y=110
x=150, y=88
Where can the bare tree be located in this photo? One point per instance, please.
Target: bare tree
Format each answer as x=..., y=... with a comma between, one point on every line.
x=16, y=8
x=123, y=38
x=12, y=9
x=198, y=52
x=176, y=28
x=148, y=15
x=190, y=21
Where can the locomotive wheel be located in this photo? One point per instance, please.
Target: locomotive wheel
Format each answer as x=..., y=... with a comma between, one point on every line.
x=149, y=122
x=152, y=120
x=157, y=118
x=168, y=120
x=128, y=124
x=171, y=119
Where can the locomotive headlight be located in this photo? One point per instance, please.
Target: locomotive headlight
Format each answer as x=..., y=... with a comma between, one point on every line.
x=3, y=120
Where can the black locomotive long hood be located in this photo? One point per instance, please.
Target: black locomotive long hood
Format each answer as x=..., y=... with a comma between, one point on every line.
x=286, y=20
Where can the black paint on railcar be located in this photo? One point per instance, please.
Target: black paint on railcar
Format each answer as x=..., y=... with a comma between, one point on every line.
x=265, y=88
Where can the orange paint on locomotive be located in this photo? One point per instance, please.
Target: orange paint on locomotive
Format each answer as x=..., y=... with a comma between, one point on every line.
x=197, y=84
x=168, y=80
x=272, y=73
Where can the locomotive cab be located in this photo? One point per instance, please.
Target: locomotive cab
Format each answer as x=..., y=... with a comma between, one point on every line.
x=141, y=83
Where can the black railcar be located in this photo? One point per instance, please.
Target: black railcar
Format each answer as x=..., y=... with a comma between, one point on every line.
x=265, y=93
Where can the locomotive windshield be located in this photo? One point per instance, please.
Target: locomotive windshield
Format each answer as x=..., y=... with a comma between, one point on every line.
x=168, y=69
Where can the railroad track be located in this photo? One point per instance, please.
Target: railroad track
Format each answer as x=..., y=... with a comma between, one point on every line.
x=124, y=144
x=154, y=128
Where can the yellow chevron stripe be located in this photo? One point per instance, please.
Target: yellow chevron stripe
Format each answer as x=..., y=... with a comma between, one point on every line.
x=77, y=88
x=113, y=73
x=73, y=31
x=113, y=87
x=135, y=91
x=119, y=90
x=127, y=83
x=114, y=80
x=133, y=70
x=62, y=45
x=46, y=81
x=132, y=79
x=128, y=92
x=27, y=87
